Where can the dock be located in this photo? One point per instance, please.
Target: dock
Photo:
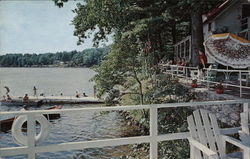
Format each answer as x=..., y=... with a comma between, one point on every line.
x=67, y=100
x=59, y=100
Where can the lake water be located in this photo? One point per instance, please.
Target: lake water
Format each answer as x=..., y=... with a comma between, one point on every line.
x=50, y=81
x=70, y=127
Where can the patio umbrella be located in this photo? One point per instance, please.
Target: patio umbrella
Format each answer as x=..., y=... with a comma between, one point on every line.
x=229, y=50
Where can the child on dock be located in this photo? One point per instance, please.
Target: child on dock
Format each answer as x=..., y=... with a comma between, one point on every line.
x=9, y=98
x=77, y=95
x=26, y=98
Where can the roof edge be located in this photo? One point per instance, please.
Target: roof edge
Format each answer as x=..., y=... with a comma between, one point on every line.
x=227, y=6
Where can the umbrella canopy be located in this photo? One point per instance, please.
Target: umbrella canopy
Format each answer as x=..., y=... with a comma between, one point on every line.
x=229, y=50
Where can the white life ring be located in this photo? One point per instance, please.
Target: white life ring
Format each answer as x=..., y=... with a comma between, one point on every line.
x=22, y=139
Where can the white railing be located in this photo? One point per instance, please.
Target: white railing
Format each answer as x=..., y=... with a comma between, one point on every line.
x=245, y=23
x=245, y=34
x=183, y=48
x=245, y=28
x=186, y=72
x=32, y=149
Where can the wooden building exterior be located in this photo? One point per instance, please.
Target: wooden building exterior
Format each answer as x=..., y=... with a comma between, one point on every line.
x=233, y=16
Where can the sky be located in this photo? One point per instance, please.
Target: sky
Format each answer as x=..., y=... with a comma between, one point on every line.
x=37, y=26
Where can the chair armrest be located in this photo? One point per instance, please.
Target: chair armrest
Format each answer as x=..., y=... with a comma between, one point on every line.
x=234, y=141
x=211, y=154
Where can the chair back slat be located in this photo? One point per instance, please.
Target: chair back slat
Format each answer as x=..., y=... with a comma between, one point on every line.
x=200, y=128
x=244, y=122
x=216, y=130
x=193, y=133
x=208, y=130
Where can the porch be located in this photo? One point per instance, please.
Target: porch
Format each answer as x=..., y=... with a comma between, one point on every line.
x=235, y=82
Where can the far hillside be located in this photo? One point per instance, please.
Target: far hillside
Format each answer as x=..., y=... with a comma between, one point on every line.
x=85, y=58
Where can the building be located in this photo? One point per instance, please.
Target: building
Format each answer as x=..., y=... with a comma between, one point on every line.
x=233, y=16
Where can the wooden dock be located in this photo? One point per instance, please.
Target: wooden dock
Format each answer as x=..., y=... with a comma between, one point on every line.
x=64, y=99
x=67, y=100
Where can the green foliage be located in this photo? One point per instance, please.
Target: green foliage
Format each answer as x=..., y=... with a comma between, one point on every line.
x=178, y=149
x=129, y=74
x=121, y=69
x=87, y=58
x=164, y=89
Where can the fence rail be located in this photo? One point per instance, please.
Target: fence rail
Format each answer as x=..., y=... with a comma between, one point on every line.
x=32, y=149
x=186, y=72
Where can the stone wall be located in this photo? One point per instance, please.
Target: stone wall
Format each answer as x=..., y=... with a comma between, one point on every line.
x=227, y=114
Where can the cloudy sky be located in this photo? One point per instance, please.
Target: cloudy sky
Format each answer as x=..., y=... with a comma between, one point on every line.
x=37, y=26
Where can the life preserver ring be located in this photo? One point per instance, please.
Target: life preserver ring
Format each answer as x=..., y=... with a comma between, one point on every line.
x=22, y=139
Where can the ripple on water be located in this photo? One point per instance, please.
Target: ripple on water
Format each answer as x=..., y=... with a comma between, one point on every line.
x=78, y=127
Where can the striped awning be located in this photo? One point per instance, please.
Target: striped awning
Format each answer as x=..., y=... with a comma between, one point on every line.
x=229, y=50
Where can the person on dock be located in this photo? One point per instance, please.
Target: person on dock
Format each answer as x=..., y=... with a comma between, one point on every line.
x=77, y=95
x=9, y=98
x=26, y=98
x=84, y=95
x=34, y=89
x=7, y=90
x=94, y=91
x=4, y=98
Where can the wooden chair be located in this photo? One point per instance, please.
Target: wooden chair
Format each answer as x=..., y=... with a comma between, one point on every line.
x=245, y=129
x=206, y=141
x=211, y=74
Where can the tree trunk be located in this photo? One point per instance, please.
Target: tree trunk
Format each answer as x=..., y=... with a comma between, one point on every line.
x=173, y=32
x=197, y=34
x=140, y=87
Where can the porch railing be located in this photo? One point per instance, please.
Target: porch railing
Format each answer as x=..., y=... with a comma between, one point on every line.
x=245, y=34
x=245, y=23
x=32, y=149
x=245, y=28
x=186, y=72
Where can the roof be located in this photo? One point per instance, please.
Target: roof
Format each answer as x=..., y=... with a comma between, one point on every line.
x=216, y=11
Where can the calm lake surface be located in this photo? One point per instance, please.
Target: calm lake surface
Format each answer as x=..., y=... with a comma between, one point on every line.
x=70, y=127
x=50, y=81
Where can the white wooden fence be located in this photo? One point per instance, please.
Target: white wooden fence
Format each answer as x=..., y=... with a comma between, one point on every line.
x=32, y=149
x=184, y=72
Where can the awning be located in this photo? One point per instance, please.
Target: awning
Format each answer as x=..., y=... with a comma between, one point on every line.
x=229, y=50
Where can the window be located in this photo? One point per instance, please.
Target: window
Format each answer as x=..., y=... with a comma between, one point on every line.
x=245, y=10
x=209, y=26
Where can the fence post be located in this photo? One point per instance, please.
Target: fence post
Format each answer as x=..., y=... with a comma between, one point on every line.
x=153, y=132
x=172, y=71
x=246, y=107
x=31, y=133
x=177, y=72
x=240, y=84
x=207, y=79
x=186, y=71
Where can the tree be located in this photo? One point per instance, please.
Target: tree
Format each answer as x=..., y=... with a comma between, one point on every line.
x=88, y=57
x=122, y=70
x=197, y=8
